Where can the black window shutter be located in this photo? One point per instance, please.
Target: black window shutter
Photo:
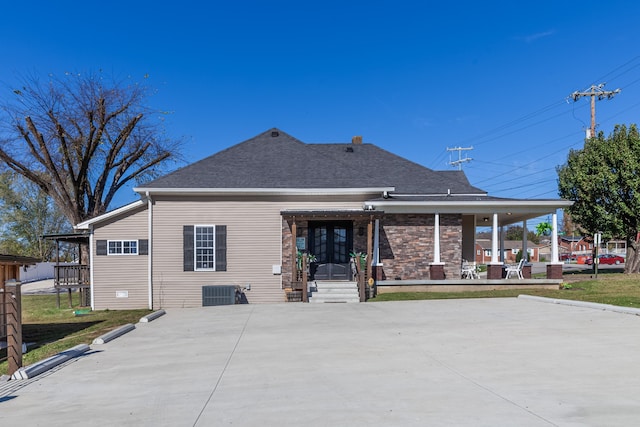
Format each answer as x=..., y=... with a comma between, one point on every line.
x=143, y=247
x=221, y=248
x=101, y=247
x=188, y=247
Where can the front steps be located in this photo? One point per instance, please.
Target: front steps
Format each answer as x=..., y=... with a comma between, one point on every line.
x=326, y=291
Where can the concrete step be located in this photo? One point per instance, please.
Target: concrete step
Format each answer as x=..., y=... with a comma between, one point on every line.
x=334, y=292
x=321, y=300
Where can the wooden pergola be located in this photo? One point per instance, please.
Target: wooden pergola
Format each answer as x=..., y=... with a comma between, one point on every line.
x=75, y=276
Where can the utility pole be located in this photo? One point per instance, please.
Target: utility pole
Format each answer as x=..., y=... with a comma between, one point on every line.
x=594, y=91
x=460, y=160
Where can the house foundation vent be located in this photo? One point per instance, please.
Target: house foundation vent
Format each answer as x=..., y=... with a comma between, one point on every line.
x=218, y=295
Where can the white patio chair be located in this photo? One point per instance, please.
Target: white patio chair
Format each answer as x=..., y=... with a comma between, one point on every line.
x=515, y=269
x=469, y=270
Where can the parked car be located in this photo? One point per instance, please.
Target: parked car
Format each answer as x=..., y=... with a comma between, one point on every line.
x=567, y=257
x=610, y=259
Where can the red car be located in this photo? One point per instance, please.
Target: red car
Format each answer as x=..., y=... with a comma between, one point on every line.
x=607, y=259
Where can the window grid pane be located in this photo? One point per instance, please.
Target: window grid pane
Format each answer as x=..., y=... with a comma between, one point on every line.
x=115, y=247
x=205, y=245
x=130, y=247
x=123, y=247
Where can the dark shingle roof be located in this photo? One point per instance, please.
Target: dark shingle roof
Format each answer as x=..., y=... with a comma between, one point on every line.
x=275, y=159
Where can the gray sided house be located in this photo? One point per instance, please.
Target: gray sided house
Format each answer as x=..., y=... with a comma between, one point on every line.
x=241, y=216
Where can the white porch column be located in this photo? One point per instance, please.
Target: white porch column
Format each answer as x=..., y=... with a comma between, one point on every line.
x=501, y=244
x=554, y=238
x=494, y=240
x=436, y=238
x=524, y=239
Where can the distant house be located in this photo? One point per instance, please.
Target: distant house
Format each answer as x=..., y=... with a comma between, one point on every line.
x=575, y=245
x=243, y=215
x=510, y=252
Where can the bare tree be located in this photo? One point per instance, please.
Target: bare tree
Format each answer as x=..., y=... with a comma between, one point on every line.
x=82, y=137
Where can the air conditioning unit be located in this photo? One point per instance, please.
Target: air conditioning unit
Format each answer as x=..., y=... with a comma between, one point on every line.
x=218, y=295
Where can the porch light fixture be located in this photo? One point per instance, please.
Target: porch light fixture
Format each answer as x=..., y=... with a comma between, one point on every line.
x=485, y=219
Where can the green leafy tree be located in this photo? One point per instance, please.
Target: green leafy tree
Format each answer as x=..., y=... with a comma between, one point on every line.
x=603, y=179
x=27, y=214
x=515, y=232
x=82, y=137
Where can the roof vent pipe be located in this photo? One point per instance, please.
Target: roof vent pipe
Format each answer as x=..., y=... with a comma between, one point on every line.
x=356, y=140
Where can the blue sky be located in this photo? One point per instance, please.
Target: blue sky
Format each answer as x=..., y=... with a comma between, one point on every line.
x=413, y=77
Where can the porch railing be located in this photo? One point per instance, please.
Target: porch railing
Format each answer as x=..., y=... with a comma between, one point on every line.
x=70, y=277
x=301, y=272
x=359, y=276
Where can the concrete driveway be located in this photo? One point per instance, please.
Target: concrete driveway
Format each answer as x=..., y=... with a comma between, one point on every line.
x=481, y=362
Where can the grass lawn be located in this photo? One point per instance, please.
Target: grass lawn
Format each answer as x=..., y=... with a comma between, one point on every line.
x=48, y=330
x=610, y=288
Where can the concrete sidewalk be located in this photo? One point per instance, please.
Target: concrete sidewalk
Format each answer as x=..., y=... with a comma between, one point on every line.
x=481, y=362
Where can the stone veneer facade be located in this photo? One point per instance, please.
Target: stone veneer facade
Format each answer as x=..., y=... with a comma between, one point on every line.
x=406, y=245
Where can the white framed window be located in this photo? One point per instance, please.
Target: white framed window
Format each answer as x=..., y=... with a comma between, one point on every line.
x=205, y=247
x=122, y=247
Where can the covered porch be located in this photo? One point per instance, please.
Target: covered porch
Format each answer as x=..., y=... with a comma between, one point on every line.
x=474, y=212
x=415, y=244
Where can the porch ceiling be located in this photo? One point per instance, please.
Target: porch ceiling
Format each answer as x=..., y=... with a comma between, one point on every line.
x=509, y=211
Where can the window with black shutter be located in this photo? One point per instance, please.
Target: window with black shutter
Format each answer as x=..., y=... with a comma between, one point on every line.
x=205, y=248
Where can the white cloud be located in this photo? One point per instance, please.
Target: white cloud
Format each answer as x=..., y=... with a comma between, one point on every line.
x=533, y=37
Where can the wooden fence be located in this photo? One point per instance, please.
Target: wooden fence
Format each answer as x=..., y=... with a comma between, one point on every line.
x=11, y=323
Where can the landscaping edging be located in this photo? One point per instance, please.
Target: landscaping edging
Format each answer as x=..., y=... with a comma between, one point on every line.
x=102, y=339
x=51, y=362
x=37, y=368
x=584, y=304
x=153, y=316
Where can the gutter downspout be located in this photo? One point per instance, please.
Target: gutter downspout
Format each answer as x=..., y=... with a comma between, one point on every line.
x=91, y=268
x=150, y=250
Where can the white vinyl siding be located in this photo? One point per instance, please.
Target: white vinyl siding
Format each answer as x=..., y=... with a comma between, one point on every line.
x=122, y=275
x=254, y=245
